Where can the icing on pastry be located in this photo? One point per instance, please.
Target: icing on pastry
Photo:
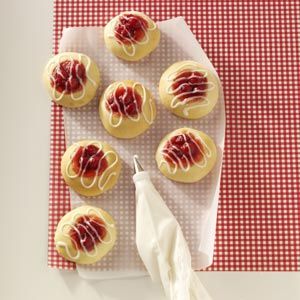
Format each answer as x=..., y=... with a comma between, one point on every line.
x=68, y=76
x=90, y=162
x=189, y=85
x=125, y=102
x=131, y=29
x=183, y=151
x=86, y=232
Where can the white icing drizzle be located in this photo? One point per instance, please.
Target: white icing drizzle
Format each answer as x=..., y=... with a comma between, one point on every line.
x=108, y=93
x=57, y=96
x=101, y=185
x=193, y=67
x=71, y=224
x=130, y=49
x=206, y=153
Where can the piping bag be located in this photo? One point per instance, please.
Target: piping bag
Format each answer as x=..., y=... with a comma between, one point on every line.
x=161, y=244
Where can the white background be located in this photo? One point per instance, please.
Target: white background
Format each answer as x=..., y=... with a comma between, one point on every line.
x=25, y=31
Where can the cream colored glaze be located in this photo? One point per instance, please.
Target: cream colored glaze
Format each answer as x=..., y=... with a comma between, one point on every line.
x=58, y=96
x=135, y=119
x=201, y=164
x=132, y=41
x=82, y=171
x=107, y=226
x=176, y=100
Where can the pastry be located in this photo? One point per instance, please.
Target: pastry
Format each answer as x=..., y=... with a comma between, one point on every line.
x=71, y=79
x=90, y=167
x=189, y=89
x=126, y=109
x=186, y=155
x=85, y=234
x=131, y=35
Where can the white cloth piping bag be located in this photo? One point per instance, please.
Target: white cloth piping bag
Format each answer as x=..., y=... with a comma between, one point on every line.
x=161, y=244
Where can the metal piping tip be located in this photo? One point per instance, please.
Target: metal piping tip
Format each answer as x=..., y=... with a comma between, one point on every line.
x=137, y=165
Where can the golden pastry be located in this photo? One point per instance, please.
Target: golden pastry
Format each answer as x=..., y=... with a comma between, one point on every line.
x=189, y=89
x=85, y=234
x=186, y=155
x=131, y=35
x=90, y=167
x=72, y=79
x=126, y=109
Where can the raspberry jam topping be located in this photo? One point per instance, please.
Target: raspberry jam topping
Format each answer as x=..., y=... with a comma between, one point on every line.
x=183, y=149
x=124, y=101
x=130, y=29
x=190, y=84
x=88, y=231
x=68, y=76
x=89, y=161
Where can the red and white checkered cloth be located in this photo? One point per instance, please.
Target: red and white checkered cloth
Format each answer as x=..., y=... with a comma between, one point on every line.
x=254, y=47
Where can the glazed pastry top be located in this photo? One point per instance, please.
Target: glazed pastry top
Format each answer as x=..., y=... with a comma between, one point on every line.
x=131, y=29
x=68, y=75
x=86, y=230
x=189, y=84
x=90, y=162
x=125, y=102
x=184, y=150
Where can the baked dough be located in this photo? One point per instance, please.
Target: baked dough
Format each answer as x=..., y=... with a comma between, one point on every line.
x=131, y=35
x=90, y=167
x=126, y=109
x=85, y=234
x=186, y=155
x=71, y=79
x=189, y=89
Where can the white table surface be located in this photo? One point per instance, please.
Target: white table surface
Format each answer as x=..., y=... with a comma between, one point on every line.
x=25, y=31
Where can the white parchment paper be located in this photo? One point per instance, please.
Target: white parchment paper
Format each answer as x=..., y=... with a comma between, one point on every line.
x=194, y=205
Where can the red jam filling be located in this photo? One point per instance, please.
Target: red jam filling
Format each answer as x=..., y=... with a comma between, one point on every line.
x=130, y=29
x=184, y=148
x=68, y=77
x=88, y=231
x=89, y=161
x=124, y=101
x=189, y=84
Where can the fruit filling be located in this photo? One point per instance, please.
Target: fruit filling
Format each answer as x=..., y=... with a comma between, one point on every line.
x=89, y=161
x=130, y=29
x=183, y=150
x=190, y=85
x=87, y=232
x=68, y=76
x=124, y=101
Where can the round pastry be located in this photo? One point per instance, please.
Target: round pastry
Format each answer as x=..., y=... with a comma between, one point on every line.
x=126, y=109
x=131, y=35
x=186, y=155
x=71, y=79
x=85, y=234
x=90, y=167
x=188, y=89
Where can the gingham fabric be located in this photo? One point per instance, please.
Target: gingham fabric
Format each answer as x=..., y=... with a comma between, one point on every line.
x=254, y=47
